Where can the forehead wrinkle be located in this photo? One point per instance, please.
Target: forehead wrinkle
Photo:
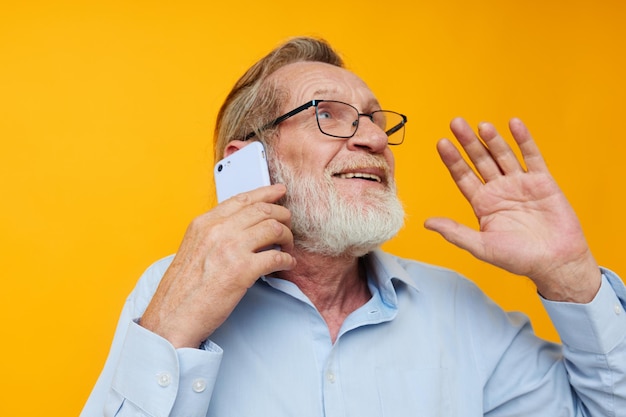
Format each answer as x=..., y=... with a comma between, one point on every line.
x=323, y=91
x=324, y=82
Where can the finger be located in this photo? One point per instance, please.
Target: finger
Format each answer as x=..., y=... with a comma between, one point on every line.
x=475, y=149
x=234, y=249
x=530, y=151
x=256, y=213
x=269, y=233
x=499, y=149
x=254, y=243
x=274, y=260
x=463, y=175
x=457, y=234
x=269, y=194
x=236, y=215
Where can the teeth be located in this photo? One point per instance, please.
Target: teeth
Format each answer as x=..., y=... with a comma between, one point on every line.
x=360, y=175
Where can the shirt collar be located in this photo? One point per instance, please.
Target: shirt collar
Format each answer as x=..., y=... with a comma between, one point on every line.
x=383, y=269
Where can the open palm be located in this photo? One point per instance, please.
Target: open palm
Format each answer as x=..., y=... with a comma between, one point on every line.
x=526, y=224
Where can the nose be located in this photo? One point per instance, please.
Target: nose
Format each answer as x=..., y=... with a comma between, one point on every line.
x=368, y=136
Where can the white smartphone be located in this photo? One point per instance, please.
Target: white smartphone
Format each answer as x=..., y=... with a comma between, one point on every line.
x=242, y=171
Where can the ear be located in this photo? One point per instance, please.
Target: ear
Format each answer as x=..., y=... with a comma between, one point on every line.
x=233, y=146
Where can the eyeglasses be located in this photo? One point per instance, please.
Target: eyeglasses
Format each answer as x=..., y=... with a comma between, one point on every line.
x=341, y=120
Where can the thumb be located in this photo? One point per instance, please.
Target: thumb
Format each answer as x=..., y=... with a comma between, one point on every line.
x=457, y=234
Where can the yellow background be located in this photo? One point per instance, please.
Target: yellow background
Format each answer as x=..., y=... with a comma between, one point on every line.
x=107, y=109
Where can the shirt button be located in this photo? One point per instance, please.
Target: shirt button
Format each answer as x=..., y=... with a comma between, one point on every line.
x=199, y=385
x=331, y=377
x=164, y=379
x=618, y=309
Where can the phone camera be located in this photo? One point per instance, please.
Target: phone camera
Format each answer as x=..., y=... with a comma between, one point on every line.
x=219, y=168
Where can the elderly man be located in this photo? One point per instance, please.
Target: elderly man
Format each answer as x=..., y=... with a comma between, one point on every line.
x=329, y=325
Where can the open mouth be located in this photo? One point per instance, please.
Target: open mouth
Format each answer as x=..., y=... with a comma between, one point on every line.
x=359, y=175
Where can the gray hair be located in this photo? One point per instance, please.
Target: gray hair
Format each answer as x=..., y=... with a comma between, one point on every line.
x=253, y=101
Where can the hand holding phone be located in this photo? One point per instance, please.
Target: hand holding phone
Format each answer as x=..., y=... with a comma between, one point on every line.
x=229, y=277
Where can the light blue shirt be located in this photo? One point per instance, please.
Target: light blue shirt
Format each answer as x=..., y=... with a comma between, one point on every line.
x=428, y=343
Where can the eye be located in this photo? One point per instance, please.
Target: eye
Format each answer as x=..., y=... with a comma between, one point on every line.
x=328, y=110
x=324, y=114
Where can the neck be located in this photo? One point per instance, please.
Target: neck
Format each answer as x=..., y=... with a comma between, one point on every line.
x=335, y=285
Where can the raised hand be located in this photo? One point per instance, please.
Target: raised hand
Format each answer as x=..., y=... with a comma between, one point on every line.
x=218, y=260
x=526, y=224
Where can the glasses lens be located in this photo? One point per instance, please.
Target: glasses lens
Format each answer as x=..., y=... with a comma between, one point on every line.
x=341, y=120
x=337, y=119
x=392, y=124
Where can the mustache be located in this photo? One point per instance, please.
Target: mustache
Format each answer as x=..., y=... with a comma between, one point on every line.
x=360, y=162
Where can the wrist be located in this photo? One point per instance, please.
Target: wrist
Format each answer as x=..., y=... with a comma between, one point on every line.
x=574, y=283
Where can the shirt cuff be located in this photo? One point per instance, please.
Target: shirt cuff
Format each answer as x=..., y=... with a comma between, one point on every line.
x=597, y=327
x=162, y=380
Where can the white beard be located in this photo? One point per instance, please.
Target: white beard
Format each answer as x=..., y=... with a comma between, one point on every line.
x=326, y=223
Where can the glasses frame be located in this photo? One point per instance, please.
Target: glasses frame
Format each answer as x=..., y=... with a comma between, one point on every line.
x=314, y=103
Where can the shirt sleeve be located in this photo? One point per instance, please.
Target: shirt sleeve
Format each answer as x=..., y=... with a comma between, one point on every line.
x=594, y=345
x=144, y=375
x=153, y=378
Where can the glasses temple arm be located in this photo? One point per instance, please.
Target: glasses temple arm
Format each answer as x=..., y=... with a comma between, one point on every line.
x=282, y=118
x=397, y=127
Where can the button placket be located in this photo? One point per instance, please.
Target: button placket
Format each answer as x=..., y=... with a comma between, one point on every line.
x=330, y=375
